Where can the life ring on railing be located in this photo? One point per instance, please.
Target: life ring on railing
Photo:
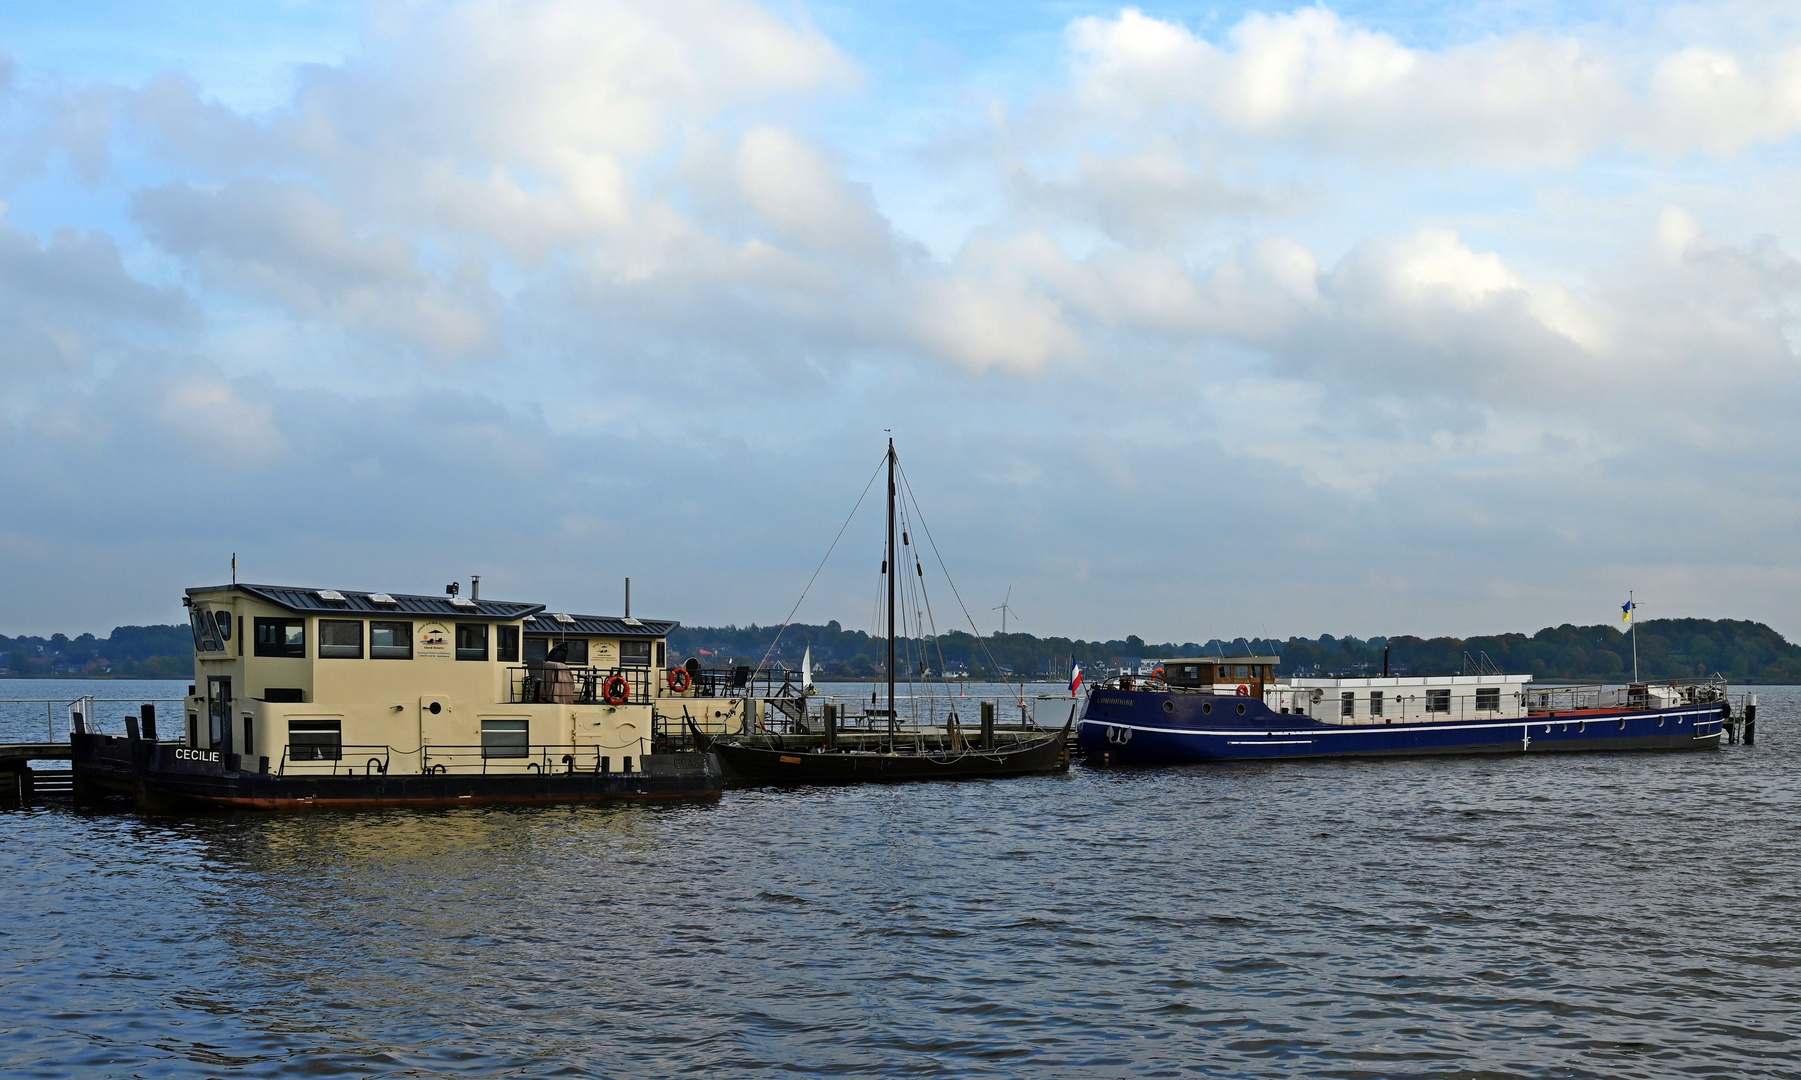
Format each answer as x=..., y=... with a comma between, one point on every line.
x=678, y=680
x=1157, y=673
x=616, y=690
x=1244, y=690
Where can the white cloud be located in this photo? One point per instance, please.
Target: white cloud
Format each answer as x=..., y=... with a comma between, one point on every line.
x=1312, y=79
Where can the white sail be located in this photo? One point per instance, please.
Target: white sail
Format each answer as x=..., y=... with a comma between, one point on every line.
x=806, y=669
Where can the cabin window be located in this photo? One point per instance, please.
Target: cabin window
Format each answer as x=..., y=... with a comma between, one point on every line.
x=249, y=737
x=472, y=641
x=1488, y=699
x=206, y=631
x=506, y=644
x=315, y=740
x=1438, y=701
x=340, y=639
x=634, y=653
x=538, y=650
x=280, y=637
x=661, y=656
x=1375, y=703
x=223, y=618
x=505, y=738
x=1347, y=704
x=390, y=640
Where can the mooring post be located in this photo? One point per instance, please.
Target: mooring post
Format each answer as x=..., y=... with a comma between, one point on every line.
x=1751, y=720
x=987, y=725
x=831, y=726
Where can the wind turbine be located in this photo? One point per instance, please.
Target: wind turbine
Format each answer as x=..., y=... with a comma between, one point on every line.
x=1004, y=608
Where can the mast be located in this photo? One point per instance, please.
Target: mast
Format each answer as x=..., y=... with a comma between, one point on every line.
x=1632, y=609
x=891, y=567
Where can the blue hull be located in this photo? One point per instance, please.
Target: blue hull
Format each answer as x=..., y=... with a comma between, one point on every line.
x=1130, y=727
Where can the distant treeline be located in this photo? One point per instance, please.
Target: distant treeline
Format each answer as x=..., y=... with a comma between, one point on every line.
x=140, y=652
x=1745, y=652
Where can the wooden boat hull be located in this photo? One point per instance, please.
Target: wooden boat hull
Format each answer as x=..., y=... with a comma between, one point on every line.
x=746, y=762
x=162, y=776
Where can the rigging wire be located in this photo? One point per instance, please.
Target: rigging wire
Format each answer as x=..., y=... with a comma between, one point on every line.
x=908, y=485
x=821, y=566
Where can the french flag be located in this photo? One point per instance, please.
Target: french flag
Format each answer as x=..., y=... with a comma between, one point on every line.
x=1075, y=676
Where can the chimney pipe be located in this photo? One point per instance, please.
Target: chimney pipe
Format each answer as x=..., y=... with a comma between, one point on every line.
x=1385, y=661
x=475, y=586
x=628, y=598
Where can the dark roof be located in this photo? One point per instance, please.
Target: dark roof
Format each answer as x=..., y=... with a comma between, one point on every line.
x=601, y=625
x=307, y=602
x=1222, y=660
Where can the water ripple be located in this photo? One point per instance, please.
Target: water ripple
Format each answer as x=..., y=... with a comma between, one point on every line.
x=1602, y=916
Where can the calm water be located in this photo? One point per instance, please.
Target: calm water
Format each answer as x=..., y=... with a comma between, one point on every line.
x=1607, y=915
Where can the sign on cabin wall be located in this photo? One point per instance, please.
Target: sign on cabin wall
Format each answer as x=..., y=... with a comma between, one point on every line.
x=603, y=648
x=434, y=642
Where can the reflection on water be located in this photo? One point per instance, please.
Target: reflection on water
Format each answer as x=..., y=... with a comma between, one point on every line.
x=1603, y=915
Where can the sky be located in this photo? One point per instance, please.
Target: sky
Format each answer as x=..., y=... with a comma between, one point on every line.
x=1187, y=321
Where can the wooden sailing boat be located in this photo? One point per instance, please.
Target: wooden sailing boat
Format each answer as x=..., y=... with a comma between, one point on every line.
x=828, y=759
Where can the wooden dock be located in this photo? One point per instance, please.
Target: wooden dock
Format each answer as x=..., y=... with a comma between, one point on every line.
x=20, y=782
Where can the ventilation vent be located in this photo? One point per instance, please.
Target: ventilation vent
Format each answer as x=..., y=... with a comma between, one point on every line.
x=562, y=618
x=461, y=601
x=629, y=621
x=381, y=598
x=331, y=595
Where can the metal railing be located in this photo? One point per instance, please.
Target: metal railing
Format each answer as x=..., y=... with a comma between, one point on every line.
x=464, y=760
x=542, y=684
x=84, y=705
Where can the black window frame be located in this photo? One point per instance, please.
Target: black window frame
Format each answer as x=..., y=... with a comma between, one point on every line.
x=320, y=740
x=1375, y=703
x=391, y=652
x=277, y=643
x=469, y=653
x=1347, y=704
x=506, y=644
x=1438, y=701
x=341, y=651
x=1488, y=699
x=509, y=746
x=634, y=658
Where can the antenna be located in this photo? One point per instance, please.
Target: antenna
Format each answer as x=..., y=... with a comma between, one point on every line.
x=234, y=568
x=1005, y=607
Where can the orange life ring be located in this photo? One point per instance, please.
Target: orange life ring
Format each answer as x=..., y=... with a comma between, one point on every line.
x=678, y=680
x=1157, y=673
x=616, y=690
x=1244, y=690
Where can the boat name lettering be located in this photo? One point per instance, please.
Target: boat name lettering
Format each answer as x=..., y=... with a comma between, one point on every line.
x=196, y=755
x=1114, y=700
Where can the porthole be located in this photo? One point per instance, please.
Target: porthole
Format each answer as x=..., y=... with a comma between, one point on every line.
x=1547, y=729
x=1241, y=710
x=1583, y=726
x=1622, y=723
x=1660, y=721
x=1169, y=706
x=1206, y=706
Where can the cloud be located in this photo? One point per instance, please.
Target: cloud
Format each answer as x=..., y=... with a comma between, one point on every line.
x=286, y=242
x=1522, y=100
x=61, y=299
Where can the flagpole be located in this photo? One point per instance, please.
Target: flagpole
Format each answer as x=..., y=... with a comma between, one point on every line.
x=1632, y=605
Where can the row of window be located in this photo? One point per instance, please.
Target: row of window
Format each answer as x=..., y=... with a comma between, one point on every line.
x=342, y=639
x=323, y=740
x=1488, y=699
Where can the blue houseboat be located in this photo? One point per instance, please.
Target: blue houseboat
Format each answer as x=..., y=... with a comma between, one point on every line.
x=1234, y=708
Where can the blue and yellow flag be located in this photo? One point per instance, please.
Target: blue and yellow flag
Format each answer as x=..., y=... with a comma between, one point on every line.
x=1626, y=611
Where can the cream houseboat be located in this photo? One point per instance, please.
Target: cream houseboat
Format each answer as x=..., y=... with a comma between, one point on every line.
x=325, y=698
